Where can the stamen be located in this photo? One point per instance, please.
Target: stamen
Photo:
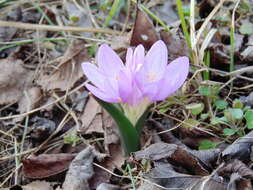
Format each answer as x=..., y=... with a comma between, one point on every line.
x=151, y=77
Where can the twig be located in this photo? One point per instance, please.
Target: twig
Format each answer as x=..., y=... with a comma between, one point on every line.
x=55, y=28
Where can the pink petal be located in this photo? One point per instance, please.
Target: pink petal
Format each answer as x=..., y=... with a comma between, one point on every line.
x=101, y=95
x=138, y=57
x=93, y=74
x=176, y=74
x=156, y=59
x=125, y=86
x=109, y=62
x=136, y=96
x=129, y=58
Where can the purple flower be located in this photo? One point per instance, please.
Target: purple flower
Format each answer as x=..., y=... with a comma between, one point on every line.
x=141, y=81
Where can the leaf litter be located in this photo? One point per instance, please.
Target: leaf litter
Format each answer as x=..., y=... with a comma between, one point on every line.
x=39, y=73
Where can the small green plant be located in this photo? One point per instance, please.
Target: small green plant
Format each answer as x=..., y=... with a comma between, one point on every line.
x=206, y=144
x=232, y=118
x=72, y=139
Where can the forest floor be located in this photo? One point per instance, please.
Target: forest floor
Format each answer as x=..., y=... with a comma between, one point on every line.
x=53, y=135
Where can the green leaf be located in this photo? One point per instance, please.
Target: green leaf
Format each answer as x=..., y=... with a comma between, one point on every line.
x=237, y=104
x=233, y=114
x=246, y=28
x=204, y=116
x=228, y=131
x=249, y=119
x=195, y=108
x=72, y=139
x=205, y=91
x=221, y=104
x=218, y=120
x=190, y=123
x=140, y=123
x=129, y=134
x=206, y=145
x=209, y=91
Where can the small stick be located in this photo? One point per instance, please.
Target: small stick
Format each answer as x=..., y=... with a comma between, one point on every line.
x=29, y=26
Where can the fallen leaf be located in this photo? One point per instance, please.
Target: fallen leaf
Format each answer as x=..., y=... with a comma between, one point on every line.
x=78, y=16
x=31, y=101
x=42, y=128
x=164, y=175
x=174, y=153
x=246, y=28
x=81, y=170
x=105, y=186
x=68, y=71
x=111, y=133
x=236, y=166
x=240, y=149
x=207, y=157
x=46, y=165
x=166, y=11
x=176, y=47
x=115, y=160
x=38, y=185
x=144, y=31
x=14, y=80
x=91, y=118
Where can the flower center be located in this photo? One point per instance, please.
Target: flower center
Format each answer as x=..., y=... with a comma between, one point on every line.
x=151, y=77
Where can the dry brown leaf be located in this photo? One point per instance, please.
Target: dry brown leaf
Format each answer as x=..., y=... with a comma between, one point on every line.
x=69, y=70
x=91, y=118
x=144, y=31
x=30, y=101
x=179, y=155
x=115, y=160
x=46, y=165
x=176, y=46
x=111, y=132
x=14, y=80
x=81, y=170
x=38, y=185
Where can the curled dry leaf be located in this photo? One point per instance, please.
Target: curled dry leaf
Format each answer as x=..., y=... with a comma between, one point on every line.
x=81, y=170
x=91, y=118
x=14, y=80
x=105, y=186
x=42, y=128
x=115, y=160
x=68, y=71
x=144, y=31
x=236, y=166
x=164, y=175
x=46, y=165
x=111, y=132
x=240, y=149
x=30, y=101
x=207, y=157
x=176, y=47
x=38, y=185
x=237, y=182
x=78, y=16
x=175, y=154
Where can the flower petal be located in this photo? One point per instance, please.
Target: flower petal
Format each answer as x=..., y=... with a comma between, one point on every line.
x=109, y=62
x=101, y=95
x=94, y=74
x=129, y=58
x=156, y=59
x=176, y=74
x=125, y=86
x=138, y=57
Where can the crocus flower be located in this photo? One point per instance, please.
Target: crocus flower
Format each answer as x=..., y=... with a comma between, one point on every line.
x=143, y=79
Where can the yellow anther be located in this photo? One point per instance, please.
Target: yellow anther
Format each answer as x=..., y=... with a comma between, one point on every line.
x=117, y=77
x=151, y=77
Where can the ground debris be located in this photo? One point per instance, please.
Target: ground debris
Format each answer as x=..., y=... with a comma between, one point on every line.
x=81, y=170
